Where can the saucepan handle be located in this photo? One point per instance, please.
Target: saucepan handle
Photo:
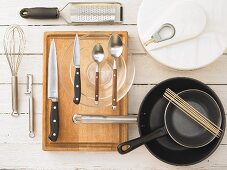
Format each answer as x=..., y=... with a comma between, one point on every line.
x=88, y=119
x=128, y=146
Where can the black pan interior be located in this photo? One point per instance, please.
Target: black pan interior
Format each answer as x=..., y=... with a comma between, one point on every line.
x=183, y=129
x=151, y=117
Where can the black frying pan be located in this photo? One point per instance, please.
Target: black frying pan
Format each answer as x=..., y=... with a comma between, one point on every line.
x=180, y=127
x=151, y=117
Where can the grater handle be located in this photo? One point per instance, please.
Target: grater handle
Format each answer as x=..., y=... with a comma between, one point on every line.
x=40, y=13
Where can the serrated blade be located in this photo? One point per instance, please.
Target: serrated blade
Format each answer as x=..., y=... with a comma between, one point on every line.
x=52, y=73
x=76, y=52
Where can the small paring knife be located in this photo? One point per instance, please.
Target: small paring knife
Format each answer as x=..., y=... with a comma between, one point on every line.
x=76, y=62
x=53, y=92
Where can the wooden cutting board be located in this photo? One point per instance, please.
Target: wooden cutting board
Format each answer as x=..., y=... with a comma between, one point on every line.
x=80, y=137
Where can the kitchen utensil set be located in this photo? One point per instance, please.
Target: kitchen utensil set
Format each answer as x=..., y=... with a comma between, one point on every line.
x=115, y=48
x=73, y=137
x=79, y=13
x=184, y=141
x=192, y=113
x=185, y=133
x=14, y=44
x=187, y=127
x=181, y=129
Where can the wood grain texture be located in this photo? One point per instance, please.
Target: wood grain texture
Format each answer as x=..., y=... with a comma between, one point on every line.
x=34, y=45
x=18, y=151
x=148, y=71
x=80, y=137
x=140, y=159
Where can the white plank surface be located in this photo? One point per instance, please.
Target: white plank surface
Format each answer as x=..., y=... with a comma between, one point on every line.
x=11, y=9
x=18, y=151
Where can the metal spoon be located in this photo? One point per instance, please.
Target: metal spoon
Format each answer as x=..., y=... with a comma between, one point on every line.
x=115, y=49
x=98, y=55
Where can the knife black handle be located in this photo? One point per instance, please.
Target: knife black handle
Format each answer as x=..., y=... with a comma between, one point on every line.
x=54, y=122
x=77, y=87
x=40, y=13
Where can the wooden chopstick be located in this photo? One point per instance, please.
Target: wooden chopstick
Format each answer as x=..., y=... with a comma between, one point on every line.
x=191, y=108
x=215, y=133
x=190, y=116
x=192, y=112
x=197, y=116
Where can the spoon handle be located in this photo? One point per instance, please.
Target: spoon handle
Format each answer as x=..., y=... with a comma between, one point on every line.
x=114, y=92
x=97, y=85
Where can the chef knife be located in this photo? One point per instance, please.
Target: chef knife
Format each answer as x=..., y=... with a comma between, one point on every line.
x=53, y=92
x=76, y=62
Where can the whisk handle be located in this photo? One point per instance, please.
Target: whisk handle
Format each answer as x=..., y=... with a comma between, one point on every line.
x=14, y=96
x=40, y=13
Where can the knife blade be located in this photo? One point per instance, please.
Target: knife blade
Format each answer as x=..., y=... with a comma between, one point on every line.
x=76, y=62
x=53, y=92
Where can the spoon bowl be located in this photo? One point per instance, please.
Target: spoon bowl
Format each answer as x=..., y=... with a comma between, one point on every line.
x=98, y=53
x=115, y=46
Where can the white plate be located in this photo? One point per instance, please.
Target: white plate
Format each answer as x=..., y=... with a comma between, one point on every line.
x=191, y=53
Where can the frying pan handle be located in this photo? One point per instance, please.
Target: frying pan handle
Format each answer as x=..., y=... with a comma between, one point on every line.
x=39, y=13
x=128, y=146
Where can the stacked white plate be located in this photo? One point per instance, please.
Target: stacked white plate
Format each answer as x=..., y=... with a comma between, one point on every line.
x=201, y=31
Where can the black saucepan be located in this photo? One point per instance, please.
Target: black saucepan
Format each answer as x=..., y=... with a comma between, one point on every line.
x=180, y=127
x=151, y=118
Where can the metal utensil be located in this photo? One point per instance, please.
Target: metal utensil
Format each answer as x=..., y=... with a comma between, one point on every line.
x=76, y=62
x=53, y=92
x=179, y=126
x=14, y=44
x=115, y=49
x=29, y=92
x=150, y=117
x=78, y=118
x=79, y=12
x=98, y=56
x=157, y=37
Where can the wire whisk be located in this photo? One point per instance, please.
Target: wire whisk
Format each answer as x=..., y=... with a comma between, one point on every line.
x=14, y=45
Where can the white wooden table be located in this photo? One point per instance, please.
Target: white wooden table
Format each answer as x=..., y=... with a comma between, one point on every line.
x=18, y=151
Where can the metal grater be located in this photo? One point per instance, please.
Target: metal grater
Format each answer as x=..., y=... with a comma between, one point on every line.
x=79, y=13
x=96, y=12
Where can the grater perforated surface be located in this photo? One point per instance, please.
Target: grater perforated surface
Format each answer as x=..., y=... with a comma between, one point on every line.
x=93, y=12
